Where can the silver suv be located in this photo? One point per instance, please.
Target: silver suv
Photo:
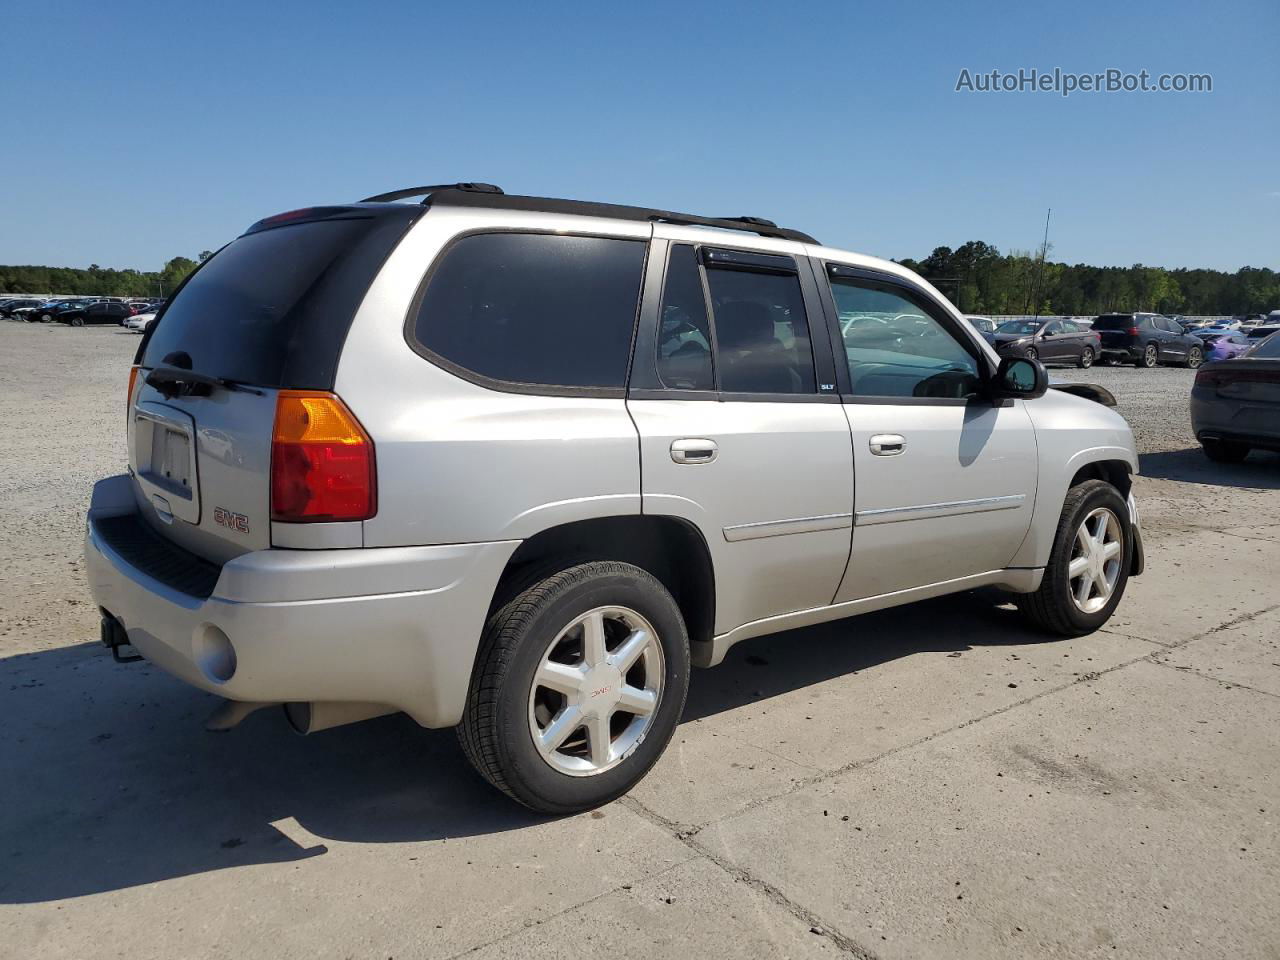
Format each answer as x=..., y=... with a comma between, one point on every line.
x=515, y=464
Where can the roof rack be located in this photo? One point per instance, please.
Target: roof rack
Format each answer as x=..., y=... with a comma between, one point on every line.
x=488, y=195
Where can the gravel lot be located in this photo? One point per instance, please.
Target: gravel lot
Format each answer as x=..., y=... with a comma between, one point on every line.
x=933, y=781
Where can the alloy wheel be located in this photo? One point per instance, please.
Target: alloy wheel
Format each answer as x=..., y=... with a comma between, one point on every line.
x=1032, y=353
x=1150, y=356
x=1086, y=357
x=1095, y=560
x=596, y=691
x=1195, y=357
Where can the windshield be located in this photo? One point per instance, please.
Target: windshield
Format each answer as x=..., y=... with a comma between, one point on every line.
x=1021, y=327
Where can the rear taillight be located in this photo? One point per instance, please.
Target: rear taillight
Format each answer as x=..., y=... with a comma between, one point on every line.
x=1133, y=331
x=133, y=382
x=322, y=462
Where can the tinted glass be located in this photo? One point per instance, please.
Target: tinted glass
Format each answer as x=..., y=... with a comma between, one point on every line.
x=273, y=308
x=1268, y=349
x=898, y=350
x=684, y=338
x=535, y=308
x=1023, y=328
x=1053, y=329
x=762, y=336
x=1114, y=321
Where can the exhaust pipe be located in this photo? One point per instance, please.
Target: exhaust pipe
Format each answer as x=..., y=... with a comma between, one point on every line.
x=307, y=718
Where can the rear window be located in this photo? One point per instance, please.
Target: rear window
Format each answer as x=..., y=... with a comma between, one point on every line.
x=525, y=308
x=1268, y=349
x=1114, y=321
x=273, y=308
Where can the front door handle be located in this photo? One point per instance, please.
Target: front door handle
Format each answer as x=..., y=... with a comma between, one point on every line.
x=887, y=445
x=693, y=451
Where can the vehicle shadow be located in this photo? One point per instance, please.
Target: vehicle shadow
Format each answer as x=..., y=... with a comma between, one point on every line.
x=1258, y=472
x=110, y=782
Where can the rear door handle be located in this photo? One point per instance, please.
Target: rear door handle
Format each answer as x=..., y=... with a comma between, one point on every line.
x=887, y=445
x=693, y=451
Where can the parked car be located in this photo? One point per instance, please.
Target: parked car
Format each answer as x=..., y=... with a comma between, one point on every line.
x=9, y=308
x=1147, y=340
x=984, y=325
x=140, y=321
x=50, y=311
x=1235, y=404
x=103, y=311
x=1223, y=344
x=469, y=498
x=1049, y=341
x=1260, y=331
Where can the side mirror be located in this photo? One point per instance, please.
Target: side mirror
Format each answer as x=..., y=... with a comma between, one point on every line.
x=1020, y=377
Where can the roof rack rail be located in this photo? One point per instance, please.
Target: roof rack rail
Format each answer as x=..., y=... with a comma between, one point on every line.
x=488, y=195
x=427, y=191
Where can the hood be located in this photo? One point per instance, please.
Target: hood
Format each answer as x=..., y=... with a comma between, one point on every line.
x=1002, y=339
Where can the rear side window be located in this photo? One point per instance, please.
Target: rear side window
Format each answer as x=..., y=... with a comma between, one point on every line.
x=543, y=309
x=273, y=308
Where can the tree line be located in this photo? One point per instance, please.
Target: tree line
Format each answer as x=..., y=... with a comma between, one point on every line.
x=975, y=276
x=98, y=281
x=979, y=279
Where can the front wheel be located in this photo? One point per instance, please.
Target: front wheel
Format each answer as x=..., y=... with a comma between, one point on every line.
x=1031, y=353
x=1086, y=358
x=1089, y=565
x=77, y=321
x=578, y=686
x=1195, y=357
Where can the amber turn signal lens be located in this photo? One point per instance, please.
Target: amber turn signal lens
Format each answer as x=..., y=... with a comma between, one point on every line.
x=322, y=461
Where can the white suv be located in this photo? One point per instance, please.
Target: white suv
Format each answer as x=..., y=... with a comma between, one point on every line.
x=515, y=464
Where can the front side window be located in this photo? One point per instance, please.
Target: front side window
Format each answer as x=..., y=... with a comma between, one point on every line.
x=684, y=335
x=899, y=350
x=762, y=336
x=1053, y=329
x=528, y=308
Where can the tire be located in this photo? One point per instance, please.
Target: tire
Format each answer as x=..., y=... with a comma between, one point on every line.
x=1054, y=607
x=1150, y=357
x=46, y=318
x=77, y=321
x=1086, y=358
x=1224, y=451
x=1195, y=357
x=1031, y=353
x=506, y=708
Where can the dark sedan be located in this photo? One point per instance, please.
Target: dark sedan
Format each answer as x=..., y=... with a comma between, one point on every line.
x=1235, y=404
x=104, y=311
x=1049, y=341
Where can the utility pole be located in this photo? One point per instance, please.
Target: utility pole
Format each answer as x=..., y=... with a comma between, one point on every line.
x=1044, y=252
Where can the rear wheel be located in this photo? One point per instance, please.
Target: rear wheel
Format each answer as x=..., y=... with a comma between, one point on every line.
x=1150, y=357
x=1224, y=451
x=1089, y=565
x=1086, y=358
x=1195, y=357
x=578, y=686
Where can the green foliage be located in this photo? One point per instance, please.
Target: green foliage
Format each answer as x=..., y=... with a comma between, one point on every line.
x=95, y=280
x=980, y=280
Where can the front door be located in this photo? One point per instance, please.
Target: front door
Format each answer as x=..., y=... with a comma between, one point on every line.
x=741, y=432
x=944, y=479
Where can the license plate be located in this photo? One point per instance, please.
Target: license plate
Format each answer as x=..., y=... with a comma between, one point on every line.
x=171, y=458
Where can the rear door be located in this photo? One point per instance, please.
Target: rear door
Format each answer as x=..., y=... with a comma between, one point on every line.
x=945, y=479
x=741, y=430
x=268, y=312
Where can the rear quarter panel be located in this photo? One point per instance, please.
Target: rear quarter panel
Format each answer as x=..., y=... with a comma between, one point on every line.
x=462, y=463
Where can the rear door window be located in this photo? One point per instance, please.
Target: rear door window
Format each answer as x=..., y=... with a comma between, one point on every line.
x=537, y=309
x=762, y=333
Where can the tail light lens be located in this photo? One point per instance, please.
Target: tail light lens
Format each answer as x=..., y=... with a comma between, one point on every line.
x=1133, y=331
x=133, y=382
x=322, y=461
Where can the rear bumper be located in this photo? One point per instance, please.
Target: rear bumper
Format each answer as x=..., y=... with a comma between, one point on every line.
x=1250, y=422
x=396, y=626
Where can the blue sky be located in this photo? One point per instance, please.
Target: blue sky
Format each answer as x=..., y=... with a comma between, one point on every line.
x=135, y=132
